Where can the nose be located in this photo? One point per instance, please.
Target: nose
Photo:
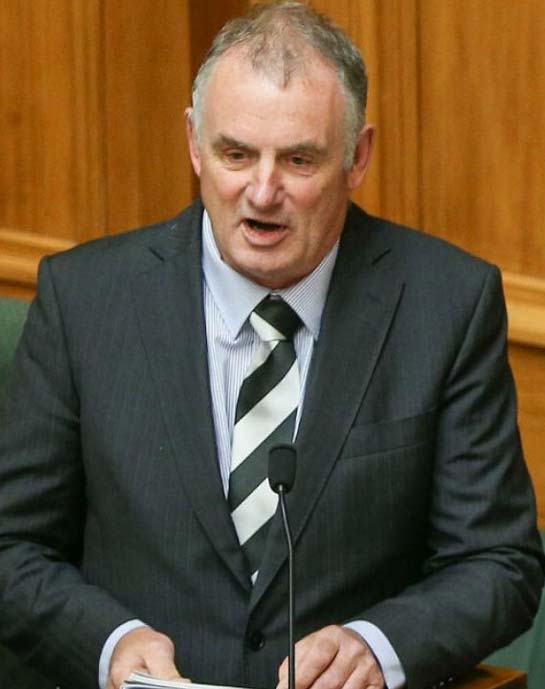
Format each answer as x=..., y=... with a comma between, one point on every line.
x=265, y=187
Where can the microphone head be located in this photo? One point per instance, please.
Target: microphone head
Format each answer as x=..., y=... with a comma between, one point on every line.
x=282, y=460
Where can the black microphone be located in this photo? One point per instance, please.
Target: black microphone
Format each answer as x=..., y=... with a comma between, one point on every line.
x=282, y=460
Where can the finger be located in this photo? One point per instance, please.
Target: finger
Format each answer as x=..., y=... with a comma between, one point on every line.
x=159, y=660
x=301, y=649
x=354, y=666
x=367, y=669
x=331, y=658
x=316, y=658
x=337, y=672
x=121, y=669
x=369, y=677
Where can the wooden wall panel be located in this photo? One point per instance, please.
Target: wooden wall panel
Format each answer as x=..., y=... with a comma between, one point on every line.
x=482, y=67
x=392, y=188
x=20, y=253
x=482, y=178
x=206, y=24
x=526, y=308
x=529, y=370
x=92, y=129
x=52, y=136
x=147, y=55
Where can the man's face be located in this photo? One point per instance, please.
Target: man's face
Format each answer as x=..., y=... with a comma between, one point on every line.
x=270, y=162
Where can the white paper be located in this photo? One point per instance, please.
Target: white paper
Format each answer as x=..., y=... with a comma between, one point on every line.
x=140, y=680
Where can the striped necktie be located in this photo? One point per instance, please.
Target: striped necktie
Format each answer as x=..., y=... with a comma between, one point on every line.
x=265, y=416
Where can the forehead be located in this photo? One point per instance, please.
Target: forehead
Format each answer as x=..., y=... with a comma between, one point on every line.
x=243, y=102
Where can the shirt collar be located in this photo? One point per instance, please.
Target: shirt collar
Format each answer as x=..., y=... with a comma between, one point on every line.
x=236, y=296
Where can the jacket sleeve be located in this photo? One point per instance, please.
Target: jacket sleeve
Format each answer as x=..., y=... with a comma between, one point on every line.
x=50, y=616
x=482, y=579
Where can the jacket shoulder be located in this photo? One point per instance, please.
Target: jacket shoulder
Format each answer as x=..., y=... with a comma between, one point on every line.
x=415, y=253
x=131, y=251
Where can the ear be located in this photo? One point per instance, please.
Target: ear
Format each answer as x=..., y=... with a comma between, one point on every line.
x=194, y=152
x=362, y=156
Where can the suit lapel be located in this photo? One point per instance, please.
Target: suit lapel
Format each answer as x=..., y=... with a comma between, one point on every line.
x=169, y=304
x=360, y=307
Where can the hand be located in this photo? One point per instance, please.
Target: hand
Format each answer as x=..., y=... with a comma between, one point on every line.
x=333, y=658
x=146, y=650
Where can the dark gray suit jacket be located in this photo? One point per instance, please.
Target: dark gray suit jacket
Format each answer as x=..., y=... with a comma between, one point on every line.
x=412, y=507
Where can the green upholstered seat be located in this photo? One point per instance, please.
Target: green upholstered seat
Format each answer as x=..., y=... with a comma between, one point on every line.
x=528, y=651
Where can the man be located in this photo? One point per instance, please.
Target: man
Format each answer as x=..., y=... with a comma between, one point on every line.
x=412, y=511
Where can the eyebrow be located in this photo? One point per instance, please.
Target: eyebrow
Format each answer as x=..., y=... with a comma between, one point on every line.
x=308, y=146
x=228, y=142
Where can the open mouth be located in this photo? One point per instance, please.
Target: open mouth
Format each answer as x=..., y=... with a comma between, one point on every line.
x=263, y=226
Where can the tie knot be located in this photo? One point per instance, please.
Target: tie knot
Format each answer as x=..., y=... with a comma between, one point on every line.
x=274, y=319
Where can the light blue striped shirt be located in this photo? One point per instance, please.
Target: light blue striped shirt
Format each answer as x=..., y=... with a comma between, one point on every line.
x=229, y=299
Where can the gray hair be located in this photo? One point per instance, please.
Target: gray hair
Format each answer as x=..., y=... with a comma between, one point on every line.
x=277, y=37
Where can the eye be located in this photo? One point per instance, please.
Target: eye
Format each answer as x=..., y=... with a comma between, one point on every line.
x=300, y=164
x=299, y=161
x=235, y=155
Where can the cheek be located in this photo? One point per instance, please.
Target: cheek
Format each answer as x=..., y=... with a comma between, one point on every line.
x=223, y=185
x=314, y=194
x=307, y=192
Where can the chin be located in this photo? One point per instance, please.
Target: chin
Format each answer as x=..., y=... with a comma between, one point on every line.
x=272, y=278
x=264, y=272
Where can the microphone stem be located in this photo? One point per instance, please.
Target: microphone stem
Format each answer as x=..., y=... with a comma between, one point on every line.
x=291, y=589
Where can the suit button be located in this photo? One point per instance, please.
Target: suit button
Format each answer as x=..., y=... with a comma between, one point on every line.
x=255, y=640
